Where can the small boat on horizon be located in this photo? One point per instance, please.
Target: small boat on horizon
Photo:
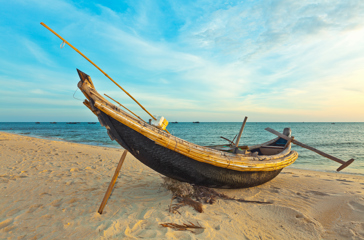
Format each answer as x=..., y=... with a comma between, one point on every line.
x=196, y=122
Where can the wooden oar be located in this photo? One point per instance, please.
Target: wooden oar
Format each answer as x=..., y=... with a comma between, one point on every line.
x=292, y=140
x=231, y=142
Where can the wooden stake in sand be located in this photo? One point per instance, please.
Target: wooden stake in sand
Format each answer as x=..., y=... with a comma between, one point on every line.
x=112, y=183
x=292, y=140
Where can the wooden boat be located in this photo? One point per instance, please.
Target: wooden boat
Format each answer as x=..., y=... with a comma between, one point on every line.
x=216, y=166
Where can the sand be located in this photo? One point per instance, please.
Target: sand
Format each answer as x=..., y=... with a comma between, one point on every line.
x=52, y=190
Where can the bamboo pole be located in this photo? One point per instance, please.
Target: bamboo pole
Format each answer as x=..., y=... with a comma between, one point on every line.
x=343, y=163
x=44, y=25
x=239, y=135
x=112, y=183
x=123, y=106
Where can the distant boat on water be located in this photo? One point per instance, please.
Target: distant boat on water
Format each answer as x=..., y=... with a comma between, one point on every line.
x=91, y=123
x=196, y=122
x=37, y=122
x=174, y=122
x=53, y=122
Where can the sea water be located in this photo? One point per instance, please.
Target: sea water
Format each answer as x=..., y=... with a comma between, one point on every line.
x=342, y=140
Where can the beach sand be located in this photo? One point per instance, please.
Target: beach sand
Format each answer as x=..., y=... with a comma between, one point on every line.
x=52, y=190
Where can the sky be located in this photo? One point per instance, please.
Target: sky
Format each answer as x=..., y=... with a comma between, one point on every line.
x=212, y=61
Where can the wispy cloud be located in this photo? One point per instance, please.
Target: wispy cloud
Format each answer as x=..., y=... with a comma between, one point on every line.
x=38, y=53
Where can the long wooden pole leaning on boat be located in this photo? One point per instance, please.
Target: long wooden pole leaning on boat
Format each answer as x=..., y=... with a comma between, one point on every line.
x=239, y=135
x=123, y=106
x=97, y=68
x=343, y=163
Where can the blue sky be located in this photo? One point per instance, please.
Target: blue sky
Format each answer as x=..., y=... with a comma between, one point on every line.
x=186, y=60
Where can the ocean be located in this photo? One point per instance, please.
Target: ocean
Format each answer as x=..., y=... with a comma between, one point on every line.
x=342, y=140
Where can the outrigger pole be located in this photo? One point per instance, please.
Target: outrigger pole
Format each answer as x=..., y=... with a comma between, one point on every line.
x=292, y=140
x=97, y=68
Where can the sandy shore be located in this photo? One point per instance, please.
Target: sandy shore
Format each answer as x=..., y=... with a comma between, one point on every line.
x=52, y=190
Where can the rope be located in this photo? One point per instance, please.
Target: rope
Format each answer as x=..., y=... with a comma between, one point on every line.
x=75, y=97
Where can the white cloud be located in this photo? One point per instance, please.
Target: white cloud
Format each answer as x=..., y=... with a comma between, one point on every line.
x=37, y=52
x=203, y=57
x=38, y=91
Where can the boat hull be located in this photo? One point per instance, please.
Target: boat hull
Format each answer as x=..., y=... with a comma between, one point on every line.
x=175, y=165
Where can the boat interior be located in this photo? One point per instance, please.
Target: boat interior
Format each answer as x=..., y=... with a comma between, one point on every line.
x=271, y=147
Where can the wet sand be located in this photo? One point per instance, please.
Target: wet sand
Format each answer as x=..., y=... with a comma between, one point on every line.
x=52, y=190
